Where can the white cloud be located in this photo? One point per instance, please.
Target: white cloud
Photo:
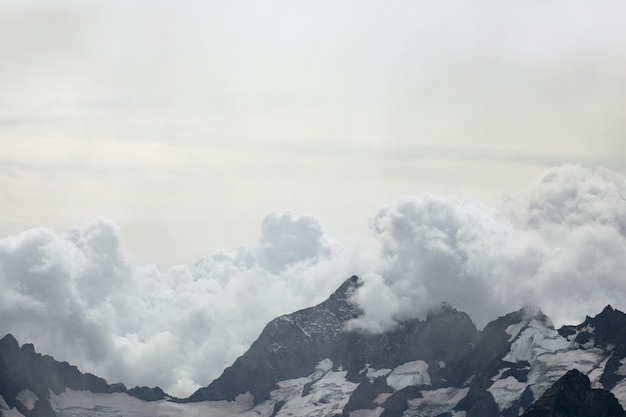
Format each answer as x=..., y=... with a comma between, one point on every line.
x=78, y=297
x=571, y=196
x=286, y=240
x=81, y=298
x=562, y=247
x=440, y=249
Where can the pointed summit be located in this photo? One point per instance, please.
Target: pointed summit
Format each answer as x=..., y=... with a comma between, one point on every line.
x=345, y=290
x=608, y=309
x=9, y=342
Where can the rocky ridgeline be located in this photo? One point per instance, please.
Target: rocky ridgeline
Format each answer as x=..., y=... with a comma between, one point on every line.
x=307, y=363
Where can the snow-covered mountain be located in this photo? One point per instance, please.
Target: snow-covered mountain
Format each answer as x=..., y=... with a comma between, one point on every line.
x=308, y=364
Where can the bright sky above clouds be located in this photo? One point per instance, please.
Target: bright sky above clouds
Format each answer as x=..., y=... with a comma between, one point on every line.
x=186, y=122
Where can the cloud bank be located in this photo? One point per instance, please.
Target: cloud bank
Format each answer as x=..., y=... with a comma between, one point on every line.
x=562, y=247
x=80, y=296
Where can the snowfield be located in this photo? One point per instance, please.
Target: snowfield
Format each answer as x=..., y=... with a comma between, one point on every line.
x=409, y=374
x=329, y=392
x=436, y=402
x=28, y=398
x=84, y=403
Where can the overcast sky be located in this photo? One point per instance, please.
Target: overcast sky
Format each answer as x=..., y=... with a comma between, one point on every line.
x=185, y=123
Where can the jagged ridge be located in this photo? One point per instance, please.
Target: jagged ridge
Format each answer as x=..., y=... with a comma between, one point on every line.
x=307, y=363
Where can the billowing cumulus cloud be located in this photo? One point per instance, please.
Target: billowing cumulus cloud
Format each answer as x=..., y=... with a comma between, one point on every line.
x=81, y=298
x=437, y=248
x=286, y=240
x=562, y=247
x=571, y=197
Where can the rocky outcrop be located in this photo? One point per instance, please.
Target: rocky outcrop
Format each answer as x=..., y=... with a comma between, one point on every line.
x=572, y=396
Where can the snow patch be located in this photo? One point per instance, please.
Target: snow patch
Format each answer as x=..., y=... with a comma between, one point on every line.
x=499, y=375
x=5, y=411
x=535, y=340
x=506, y=391
x=328, y=395
x=88, y=404
x=588, y=329
x=324, y=365
x=409, y=374
x=436, y=402
x=28, y=398
x=622, y=369
x=620, y=392
x=382, y=398
x=469, y=380
x=514, y=329
x=367, y=413
x=372, y=373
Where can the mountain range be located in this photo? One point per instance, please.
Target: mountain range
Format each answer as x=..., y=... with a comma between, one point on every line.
x=309, y=363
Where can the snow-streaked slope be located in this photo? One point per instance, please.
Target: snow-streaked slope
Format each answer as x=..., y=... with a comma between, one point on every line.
x=549, y=356
x=409, y=374
x=367, y=413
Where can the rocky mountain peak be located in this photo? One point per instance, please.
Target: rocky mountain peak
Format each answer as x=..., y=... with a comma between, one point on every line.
x=572, y=396
x=604, y=329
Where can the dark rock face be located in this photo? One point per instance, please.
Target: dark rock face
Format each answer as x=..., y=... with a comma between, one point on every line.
x=289, y=347
x=606, y=330
x=147, y=393
x=572, y=396
x=487, y=358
